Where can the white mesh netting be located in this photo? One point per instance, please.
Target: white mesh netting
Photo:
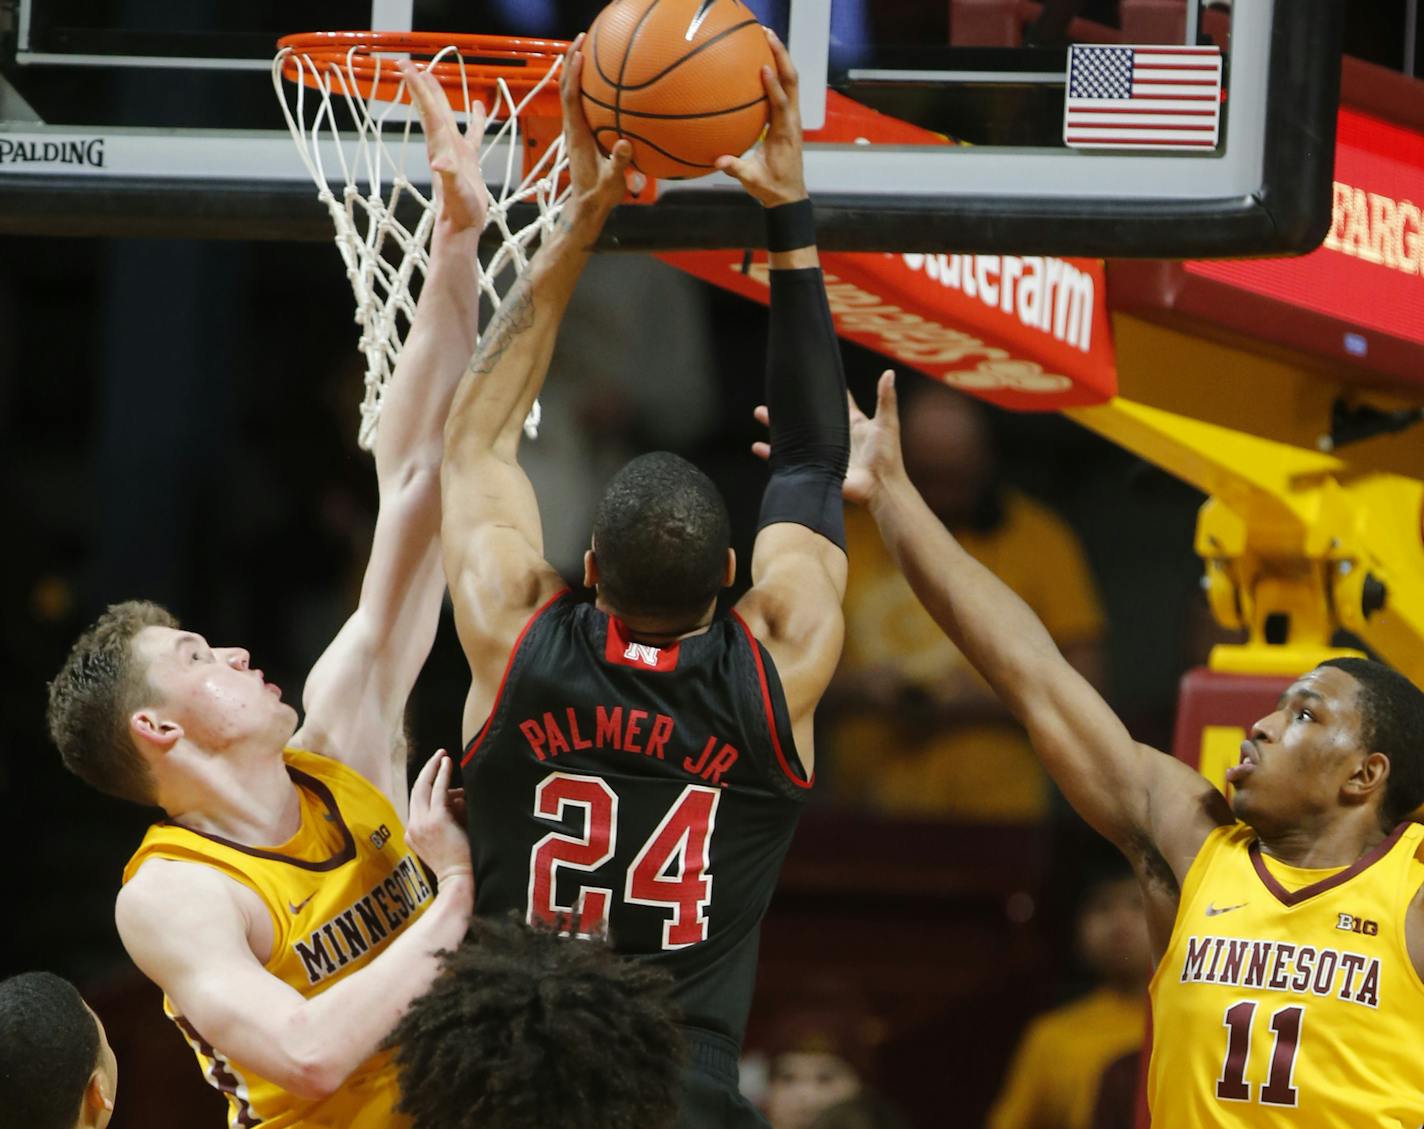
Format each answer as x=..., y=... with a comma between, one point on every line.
x=356, y=149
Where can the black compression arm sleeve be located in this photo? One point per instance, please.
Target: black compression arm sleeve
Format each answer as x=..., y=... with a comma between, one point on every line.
x=806, y=395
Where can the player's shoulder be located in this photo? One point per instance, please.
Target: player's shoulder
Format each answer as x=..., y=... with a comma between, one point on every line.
x=159, y=879
x=780, y=612
x=1233, y=836
x=163, y=891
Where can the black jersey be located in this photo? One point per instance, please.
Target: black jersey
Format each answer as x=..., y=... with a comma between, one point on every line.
x=652, y=790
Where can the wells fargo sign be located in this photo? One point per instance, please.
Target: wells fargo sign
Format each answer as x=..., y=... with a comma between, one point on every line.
x=1369, y=273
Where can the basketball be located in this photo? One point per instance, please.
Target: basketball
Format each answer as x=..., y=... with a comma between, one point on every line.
x=680, y=79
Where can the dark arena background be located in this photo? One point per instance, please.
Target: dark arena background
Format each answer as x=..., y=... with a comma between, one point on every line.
x=178, y=422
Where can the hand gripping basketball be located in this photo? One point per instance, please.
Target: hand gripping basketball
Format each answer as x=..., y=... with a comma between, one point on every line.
x=774, y=172
x=599, y=182
x=461, y=196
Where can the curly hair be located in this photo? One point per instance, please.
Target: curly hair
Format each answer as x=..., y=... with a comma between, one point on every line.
x=526, y=1027
x=91, y=697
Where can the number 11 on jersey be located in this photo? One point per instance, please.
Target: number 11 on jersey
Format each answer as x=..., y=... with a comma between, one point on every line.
x=1279, y=1088
x=670, y=870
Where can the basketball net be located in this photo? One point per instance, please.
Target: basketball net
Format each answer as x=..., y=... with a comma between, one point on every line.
x=351, y=117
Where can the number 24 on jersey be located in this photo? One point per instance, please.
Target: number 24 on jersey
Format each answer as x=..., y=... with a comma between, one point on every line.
x=669, y=872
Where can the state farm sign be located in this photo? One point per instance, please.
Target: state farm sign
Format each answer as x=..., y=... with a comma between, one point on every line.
x=1025, y=332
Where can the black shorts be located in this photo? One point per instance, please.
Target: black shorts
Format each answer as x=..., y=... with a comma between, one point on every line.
x=710, y=1097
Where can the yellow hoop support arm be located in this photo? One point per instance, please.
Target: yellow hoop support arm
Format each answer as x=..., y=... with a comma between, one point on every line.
x=1291, y=537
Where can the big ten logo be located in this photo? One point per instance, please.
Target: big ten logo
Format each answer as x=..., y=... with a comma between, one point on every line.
x=1352, y=924
x=380, y=837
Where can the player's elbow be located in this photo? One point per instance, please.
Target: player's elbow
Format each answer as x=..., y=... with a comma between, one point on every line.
x=308, y=1069
x=415, y=484
x=470, y=437
x=310, y=1078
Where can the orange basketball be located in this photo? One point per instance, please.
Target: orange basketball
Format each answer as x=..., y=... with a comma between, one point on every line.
x=680, y=79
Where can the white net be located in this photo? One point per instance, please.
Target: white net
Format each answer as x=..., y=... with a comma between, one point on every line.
x=359, y=150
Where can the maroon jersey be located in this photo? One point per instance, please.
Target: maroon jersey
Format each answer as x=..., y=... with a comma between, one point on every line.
x=651, y=790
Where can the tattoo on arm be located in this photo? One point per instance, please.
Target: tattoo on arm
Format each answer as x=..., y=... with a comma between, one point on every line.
x=515, y=315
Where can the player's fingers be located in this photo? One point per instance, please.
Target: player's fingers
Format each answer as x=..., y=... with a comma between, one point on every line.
x=636, y=181
x=762, y=414
x=785, y=68
x=620, y=157
x=569, y=81
x=420, y=790
x=761, y=450
x=887, y=405
x=410, y=75
x=423, y=89
x=479, y=116
x=736, y=167
x=440, y=786
x=774, y=90
x=856, y=415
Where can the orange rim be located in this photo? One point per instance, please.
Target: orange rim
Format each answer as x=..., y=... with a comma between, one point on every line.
x=484, y=61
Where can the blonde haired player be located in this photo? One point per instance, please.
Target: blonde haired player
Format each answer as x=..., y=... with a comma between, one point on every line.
x=279, y=905
x=1290, y=923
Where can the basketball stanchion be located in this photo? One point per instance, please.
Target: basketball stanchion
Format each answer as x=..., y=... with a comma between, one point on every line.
x=348, y=110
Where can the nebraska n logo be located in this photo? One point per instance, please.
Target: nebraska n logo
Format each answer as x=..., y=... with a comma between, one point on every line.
x=642, y=653
x=622, y=651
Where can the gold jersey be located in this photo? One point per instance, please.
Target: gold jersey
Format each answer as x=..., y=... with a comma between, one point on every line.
x=338, y=891
x=1286, y=996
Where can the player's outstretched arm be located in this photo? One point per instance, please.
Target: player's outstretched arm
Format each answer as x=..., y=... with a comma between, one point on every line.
x=494, y=545
x=355, y=696
x=1151, y=805
x=188, y=928
x=798, y=560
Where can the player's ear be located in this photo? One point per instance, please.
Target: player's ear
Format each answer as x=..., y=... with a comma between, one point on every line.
x=153, y=729
x=590, y=569
x=1369, y=778
x=98, y=1097
x=729, y=574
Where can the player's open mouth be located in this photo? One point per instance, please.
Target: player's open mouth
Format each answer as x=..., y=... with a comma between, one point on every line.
x=1248, y=764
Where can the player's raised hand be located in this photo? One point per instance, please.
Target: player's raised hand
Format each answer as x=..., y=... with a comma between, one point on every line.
x=773, y=173
x=599, y=182
x=875, y=455
x=433, y=829
x=461, y=197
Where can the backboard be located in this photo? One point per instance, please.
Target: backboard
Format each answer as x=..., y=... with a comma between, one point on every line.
x=114, y=121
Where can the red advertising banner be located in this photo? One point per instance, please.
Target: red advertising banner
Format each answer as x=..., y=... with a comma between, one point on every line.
x=1021, y=331
x=1370, y=269
x=1365, y=284
x=1024, y=332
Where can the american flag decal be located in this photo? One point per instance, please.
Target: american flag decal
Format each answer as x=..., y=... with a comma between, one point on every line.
x=1143, y=98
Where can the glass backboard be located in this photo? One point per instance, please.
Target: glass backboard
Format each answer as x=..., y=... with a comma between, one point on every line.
x=932, y=127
